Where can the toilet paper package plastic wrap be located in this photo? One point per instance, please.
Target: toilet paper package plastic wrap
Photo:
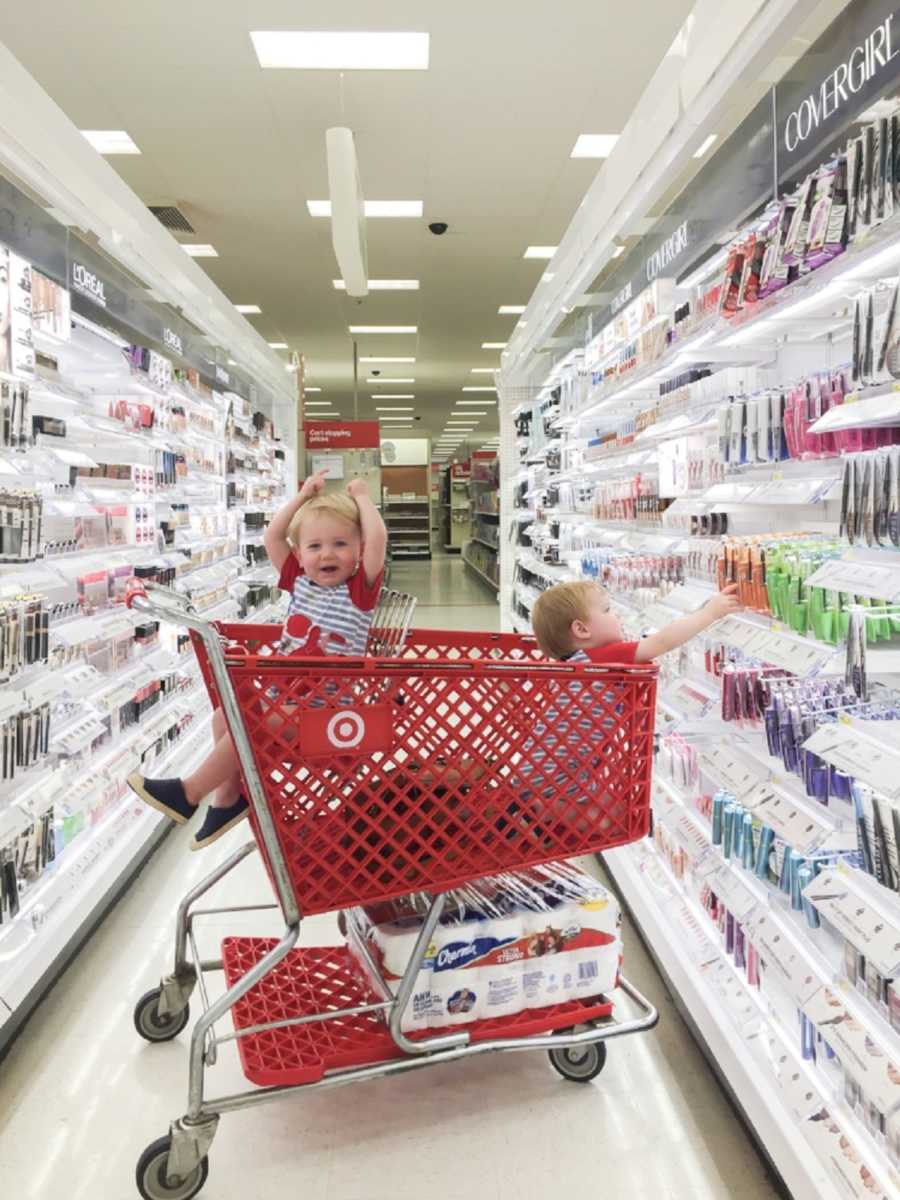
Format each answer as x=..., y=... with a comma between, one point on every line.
x=507, y=943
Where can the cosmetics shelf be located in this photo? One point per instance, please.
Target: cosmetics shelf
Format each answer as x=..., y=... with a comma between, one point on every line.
x=708, y=991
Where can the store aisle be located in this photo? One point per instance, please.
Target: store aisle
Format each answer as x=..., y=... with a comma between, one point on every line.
x=81, y=1095
x=450, y=596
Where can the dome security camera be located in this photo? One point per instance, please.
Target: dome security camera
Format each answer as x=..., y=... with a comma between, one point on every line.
x=376, y=372
x=438, y=227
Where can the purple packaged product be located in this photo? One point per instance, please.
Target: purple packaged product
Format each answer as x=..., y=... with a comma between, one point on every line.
x=780, y=273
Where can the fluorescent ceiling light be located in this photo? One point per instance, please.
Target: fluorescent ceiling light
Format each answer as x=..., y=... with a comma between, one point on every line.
x=463, y=403
x=397, y=428
x=509, y=310
x=540, y=251
x=384, y=329
x=278, y=346
x=479, y=389
x=110, y=141
x=311, y=389
x=386, y=360
x=248, y=309
x=384, y=285
x=706, y=145
x=394, y=396
x=400, y=409
x=341, y=50
x=618, y=252
x=381, y=382
x=483, y=370
x=463, y=413
x=594, y=145
x=199, y=249
x=493, y=345
x=547, y=276
x=373, y=208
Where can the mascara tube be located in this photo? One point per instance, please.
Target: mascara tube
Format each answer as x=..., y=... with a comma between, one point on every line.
x=747, y=847
x=728, y=829
x=763, y=852
x=717, y=807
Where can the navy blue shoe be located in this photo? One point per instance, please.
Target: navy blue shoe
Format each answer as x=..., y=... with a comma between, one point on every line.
x=218, y=821
x=165, y=795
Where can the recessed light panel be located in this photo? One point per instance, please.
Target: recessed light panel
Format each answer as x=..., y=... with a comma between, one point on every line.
x=469, y=388
x=341, y=50
x=379, y=359
x=277, y=345
x=493, y=345
x=594, y=145
x=394, y=396
x=199, y=249
x=384, y=328
x=110, y=141
x=483, y=370
x=381, y=382
x=373, y=208
x=248, y=309
x=713, y=137
x=384, y=285
x=544, y=252
x=510, y=310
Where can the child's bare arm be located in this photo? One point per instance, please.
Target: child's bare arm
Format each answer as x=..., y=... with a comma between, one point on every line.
x=275, y=540
x=374, y=534
x=678, y=632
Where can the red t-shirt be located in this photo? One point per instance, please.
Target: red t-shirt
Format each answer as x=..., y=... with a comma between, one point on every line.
x=615, y=652
x=363, y=595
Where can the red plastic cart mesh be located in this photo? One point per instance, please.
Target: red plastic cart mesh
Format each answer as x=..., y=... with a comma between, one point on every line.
x=465, y=757
x=321, y=979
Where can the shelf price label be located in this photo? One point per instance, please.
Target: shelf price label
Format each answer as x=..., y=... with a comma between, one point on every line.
x=858, y=1048
x=688, y=700
x=730, y=771
x=733, y=892
x=859, y=579
x=657, y=615
x=689, y=836
x=783, y=955
x=739, y=1004
x=802, y=829
x=866, y=758
x=797, y=1089
x=838, y=898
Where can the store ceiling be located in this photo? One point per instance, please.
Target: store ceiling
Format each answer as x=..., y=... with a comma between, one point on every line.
x=483, y=137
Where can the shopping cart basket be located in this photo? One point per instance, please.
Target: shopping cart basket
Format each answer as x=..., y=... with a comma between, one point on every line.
x=466, y=755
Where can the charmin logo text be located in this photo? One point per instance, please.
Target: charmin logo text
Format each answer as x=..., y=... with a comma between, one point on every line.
x=88, y=284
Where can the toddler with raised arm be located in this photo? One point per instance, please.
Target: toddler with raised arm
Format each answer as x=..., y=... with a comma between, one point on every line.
x=330, y=551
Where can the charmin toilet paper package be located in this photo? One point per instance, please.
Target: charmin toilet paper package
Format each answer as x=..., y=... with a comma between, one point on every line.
x=505, y=944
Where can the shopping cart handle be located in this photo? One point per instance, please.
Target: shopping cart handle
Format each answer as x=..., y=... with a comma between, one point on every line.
x=166, y=602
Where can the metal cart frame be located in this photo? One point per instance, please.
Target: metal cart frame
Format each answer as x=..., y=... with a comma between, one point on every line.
x=176, y=1166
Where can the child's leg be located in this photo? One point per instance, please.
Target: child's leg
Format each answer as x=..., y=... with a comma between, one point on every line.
x=218, y=768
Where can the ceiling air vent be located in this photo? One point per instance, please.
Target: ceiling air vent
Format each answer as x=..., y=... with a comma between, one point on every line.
x=173, y=218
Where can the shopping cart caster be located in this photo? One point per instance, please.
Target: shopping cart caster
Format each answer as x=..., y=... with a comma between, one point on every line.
x=155, y=1026
x=581, y=1064
x=153, y=1180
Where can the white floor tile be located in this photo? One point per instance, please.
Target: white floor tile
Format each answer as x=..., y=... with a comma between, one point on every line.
x=81, y=1095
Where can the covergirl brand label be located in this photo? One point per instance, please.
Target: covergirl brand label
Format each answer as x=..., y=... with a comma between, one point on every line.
x=88, y=284
x=667, y=252
x=862, y=64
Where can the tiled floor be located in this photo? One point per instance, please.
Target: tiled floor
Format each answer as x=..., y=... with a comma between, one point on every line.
x=81, y=1095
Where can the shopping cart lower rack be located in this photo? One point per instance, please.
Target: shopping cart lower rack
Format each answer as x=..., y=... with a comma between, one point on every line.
x=463, y=756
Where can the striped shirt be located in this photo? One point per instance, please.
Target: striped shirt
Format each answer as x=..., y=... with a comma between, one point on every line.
x=345, y=610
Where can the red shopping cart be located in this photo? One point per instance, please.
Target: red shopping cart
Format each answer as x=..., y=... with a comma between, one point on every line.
x=465, y=755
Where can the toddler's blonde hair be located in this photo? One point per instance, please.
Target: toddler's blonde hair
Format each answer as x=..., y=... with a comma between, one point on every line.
x=556, y=609
x=335, y=504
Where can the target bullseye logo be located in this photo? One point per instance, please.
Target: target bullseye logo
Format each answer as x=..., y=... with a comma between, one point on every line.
x=345, y=730
x=340, y=731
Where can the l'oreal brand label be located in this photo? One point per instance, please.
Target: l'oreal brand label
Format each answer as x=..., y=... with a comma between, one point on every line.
x=862, y=64
x=173, y=341
x=88, y=284
x=667, y=252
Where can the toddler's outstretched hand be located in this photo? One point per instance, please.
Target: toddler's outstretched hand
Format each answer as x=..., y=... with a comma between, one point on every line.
x=357, y=488
x=725, y=602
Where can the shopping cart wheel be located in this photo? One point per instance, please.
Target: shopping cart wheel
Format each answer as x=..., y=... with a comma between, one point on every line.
x=152, y=1024
x=153, y=1182
x=581, y=1064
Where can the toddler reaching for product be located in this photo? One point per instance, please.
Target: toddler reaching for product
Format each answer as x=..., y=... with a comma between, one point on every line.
x=580, y=741
x=329, y=550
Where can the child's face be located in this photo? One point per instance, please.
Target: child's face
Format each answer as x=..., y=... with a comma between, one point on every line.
x=601, y=627
x=329, y=549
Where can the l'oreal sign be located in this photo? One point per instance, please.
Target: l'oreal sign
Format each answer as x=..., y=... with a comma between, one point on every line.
x=865, y=61
x=172, y=341
x=88, y=284
x=667, y=252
